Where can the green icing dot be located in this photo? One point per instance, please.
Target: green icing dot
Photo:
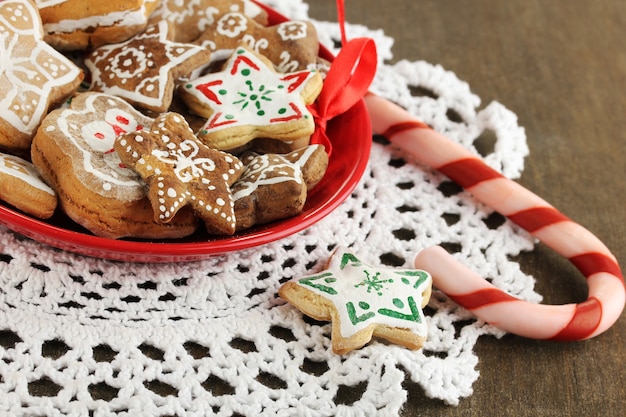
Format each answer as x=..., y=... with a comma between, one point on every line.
x=223, y=92
x=188, y=85
x=282, y=111
x=405, y=281
x=245, y=72
x=229, y=117
x=364, y=305
x=260, y=113
x=330, y=280
x=398, y=303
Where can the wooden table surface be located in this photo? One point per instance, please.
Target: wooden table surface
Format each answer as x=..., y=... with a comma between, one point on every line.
x=560, y=65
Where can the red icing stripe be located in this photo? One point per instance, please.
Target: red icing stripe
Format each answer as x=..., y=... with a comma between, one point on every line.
x=592, y=263
x=585, y=321
x=401, y=127
x=482, y=298
x=536, y=218
x=469, y=172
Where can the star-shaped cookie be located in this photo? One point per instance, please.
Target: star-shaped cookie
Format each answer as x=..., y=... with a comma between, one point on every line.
x=364, y=301
x=33, y=76
x=291, y=45
x=143, y=70
x=275, y=186
x=179, y=170
x=249, y=99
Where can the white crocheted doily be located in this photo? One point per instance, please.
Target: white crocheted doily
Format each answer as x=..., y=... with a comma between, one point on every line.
x=213, y=338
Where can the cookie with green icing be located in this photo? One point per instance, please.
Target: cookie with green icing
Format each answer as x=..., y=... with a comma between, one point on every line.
x=248, y=99
x=363, y=301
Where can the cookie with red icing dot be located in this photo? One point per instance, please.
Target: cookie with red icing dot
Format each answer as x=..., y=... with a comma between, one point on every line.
x=181, y=171
x=248, y=99
x=73, y=151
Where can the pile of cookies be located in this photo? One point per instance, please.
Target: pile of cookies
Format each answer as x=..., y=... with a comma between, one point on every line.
x=152, y=118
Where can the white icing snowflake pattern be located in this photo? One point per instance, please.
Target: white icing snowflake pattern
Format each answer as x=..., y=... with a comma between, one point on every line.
x=232, y=25
x=291, y=31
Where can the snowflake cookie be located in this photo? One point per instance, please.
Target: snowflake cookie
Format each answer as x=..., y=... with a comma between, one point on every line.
x=364, y=301
x=180, y=170
x=249, y=99
x=143, y=70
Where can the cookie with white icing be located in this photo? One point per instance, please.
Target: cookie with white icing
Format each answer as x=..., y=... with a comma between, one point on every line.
x=33, y=76
x=192, y=17
x=274, y=186
x=363, y=301
x=82, y=25
x=22, y=187
x=248, y=99
x=291, y=46
x=144, y=69
x=73, y=150
x=180, y=171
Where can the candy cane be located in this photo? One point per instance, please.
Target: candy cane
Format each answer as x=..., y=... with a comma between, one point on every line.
x=607, y=293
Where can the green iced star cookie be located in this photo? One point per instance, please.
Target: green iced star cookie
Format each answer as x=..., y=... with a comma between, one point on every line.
x=364, y=301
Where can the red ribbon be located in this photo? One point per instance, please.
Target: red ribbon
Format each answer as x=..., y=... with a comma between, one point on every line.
x=346, y=82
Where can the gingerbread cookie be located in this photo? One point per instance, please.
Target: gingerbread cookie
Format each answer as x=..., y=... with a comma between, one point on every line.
x=143, y=70
x=291, y=46
x=81, y=25
x=191, y=18
x=249, y=99
x=363, y=301
x=182, y=171
x=73, y=150
x=22, y=187
x=33, y=76
x=274, y=186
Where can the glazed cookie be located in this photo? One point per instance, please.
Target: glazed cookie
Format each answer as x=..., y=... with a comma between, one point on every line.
x=33, y=76
x=191, y=18
x=249, y=99
x=73, y=150
x=143, y=70
x=291, y=46
x=275, y=187
x=22, y=187
x=364, y=301
x=181, y=171
x=81, y=25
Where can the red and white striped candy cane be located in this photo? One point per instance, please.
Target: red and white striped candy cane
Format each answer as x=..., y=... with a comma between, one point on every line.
x=607, y=293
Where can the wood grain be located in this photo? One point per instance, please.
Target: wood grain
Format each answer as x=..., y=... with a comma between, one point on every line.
x=561, y=67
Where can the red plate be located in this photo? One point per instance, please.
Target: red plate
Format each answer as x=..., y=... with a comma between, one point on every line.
x=351, y=136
